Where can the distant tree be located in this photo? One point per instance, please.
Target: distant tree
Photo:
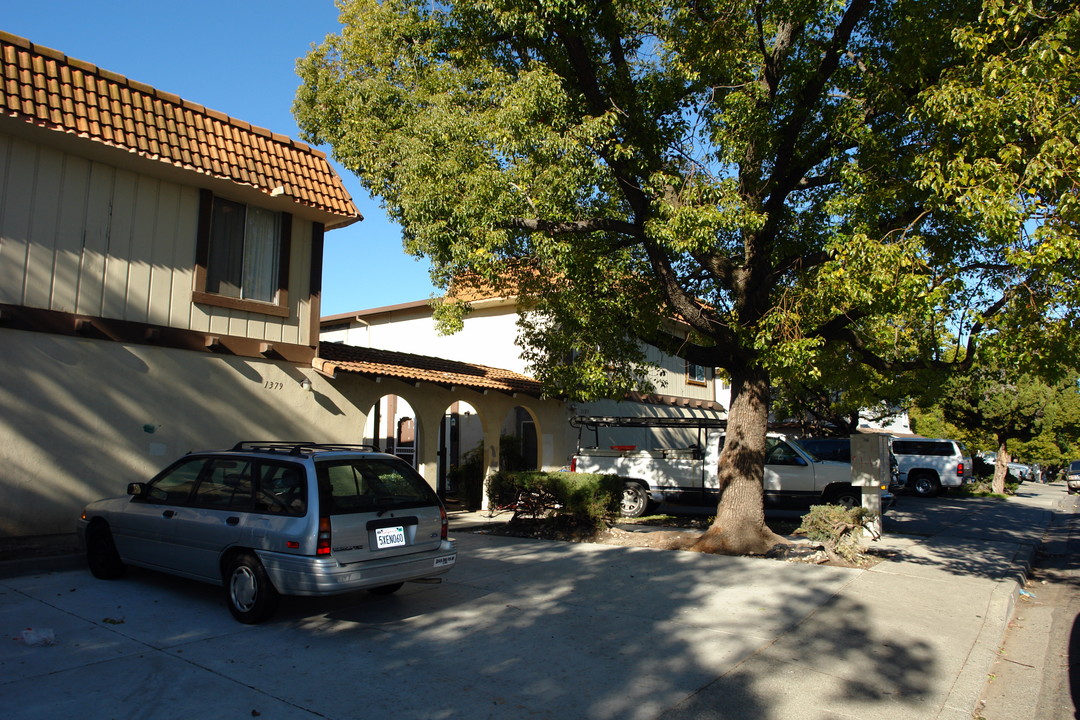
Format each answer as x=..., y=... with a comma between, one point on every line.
x=928, y=420
x=1058, y=441
x=1011, y=406
x=776, y=175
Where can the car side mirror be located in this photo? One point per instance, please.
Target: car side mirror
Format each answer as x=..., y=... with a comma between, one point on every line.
x=136, y=489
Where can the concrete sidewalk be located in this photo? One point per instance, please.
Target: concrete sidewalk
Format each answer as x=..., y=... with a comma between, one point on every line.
x=525, y=628
x=912, y=637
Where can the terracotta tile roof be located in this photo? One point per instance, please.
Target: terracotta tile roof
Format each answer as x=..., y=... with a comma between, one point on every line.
x=675, y=401
x=413, y=368
x=49, y=89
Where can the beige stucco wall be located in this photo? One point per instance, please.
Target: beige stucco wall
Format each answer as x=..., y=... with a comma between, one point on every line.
x=81, y=418
x=488, y=337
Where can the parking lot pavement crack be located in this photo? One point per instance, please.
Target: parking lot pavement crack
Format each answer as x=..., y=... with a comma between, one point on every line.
x=253, y=688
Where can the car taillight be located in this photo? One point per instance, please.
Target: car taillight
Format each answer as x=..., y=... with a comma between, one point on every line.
x=960, y=469
x=445, y=522
x=573, y=464
x=322, y=547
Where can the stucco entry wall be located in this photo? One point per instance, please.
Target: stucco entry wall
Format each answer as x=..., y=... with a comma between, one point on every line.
x=82, y=418
x=430, y=402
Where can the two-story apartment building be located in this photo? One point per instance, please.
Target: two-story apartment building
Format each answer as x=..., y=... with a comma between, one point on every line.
x=160, y=284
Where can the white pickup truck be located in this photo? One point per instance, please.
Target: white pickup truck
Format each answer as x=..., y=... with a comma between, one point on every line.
x=687, y=475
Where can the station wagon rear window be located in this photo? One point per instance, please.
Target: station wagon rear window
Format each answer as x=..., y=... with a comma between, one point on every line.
x=359, y=485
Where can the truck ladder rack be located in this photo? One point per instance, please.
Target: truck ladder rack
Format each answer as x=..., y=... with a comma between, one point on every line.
x=592, y=422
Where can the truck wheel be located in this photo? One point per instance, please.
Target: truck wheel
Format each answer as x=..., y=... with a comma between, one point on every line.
x=845, y=496
x=635, y=501
x=925, y=485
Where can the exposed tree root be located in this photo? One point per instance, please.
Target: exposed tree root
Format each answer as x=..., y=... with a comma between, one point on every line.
x=752, y=541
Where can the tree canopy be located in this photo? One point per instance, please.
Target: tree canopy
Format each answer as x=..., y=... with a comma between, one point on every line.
x=784, y=178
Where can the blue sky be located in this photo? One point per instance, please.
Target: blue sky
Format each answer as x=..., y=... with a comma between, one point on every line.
x=238, y=57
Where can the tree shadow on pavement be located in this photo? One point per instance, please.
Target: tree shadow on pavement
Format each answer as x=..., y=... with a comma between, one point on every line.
x=974, y=538
x=519, y=629
x=547, y=629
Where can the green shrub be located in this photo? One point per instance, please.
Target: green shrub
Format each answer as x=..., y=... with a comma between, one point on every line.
x=985, y=488
x=468, y=477
x=578, y=497
x=981, y=469
x=838, y=528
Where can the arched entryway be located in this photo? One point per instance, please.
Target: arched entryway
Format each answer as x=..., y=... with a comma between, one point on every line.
x=519, y=446
x=461, y=456
x=391, y=427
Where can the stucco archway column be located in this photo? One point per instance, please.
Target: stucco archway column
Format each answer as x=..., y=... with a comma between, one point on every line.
x=491, y=422
x=429, y=416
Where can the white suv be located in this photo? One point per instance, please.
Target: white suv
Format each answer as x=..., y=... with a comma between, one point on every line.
x=271, y=518
x=927, y=465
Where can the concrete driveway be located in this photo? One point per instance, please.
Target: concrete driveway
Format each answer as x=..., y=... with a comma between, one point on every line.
x=519, y=629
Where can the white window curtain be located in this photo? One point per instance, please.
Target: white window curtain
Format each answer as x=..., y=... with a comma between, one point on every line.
x=261, y=255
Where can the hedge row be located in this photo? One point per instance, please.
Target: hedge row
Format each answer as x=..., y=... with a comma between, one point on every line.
x=582, y=497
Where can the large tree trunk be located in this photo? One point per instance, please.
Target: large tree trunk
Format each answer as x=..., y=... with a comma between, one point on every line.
x=739, y=527
x=1001, y=468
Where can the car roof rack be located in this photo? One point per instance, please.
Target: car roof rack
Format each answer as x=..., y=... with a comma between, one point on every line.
x=300, y=447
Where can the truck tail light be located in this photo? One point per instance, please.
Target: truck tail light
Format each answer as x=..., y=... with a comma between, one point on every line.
x=322, y=546
x=573, y=464
x=960, y=469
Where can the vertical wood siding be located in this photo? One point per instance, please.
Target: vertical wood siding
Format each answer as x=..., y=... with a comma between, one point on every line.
x=673, y=379
x=84, y=237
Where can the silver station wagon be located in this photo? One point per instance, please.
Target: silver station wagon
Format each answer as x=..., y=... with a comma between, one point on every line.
x=273, y=518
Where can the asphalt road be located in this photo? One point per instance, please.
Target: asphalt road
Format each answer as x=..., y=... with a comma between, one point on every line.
x=1034, y=677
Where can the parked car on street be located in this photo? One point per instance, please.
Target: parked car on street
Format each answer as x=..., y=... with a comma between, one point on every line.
x=1020, y=471
x=273, y=518
x=1072, y=477
x=929, y=465
x=835, y=449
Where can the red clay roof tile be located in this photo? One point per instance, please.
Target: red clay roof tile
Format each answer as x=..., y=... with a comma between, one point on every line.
x=45, y=87
x=413, y=368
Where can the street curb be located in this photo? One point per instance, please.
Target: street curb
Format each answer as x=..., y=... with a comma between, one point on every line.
x=963, y=699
